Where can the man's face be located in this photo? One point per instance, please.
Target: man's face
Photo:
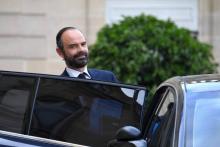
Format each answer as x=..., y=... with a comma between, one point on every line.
x=75, y=50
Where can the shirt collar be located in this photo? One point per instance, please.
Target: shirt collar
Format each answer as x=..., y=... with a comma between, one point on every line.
x=75, y=73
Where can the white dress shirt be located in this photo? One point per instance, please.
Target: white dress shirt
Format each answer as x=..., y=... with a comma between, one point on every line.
x=75, y=73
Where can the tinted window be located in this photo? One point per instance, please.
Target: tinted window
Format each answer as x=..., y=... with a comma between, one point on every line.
x=15, y=93
x=161, y=130
x=84, y=112
x=77, y=111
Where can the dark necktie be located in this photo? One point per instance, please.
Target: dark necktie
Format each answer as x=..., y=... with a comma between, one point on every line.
x=82, y=76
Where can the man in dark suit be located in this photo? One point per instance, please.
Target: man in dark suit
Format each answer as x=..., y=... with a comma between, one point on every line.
x=72, y=47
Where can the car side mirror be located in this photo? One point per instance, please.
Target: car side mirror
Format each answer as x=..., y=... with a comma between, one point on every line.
x=128, y=136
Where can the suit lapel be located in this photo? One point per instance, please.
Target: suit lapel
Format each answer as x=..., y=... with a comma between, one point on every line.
x=91, y=73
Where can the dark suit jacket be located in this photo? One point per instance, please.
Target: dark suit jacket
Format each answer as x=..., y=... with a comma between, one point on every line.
x=100, y=75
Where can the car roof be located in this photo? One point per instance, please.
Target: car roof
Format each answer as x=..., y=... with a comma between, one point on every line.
x=201, y=78
x=203, y=82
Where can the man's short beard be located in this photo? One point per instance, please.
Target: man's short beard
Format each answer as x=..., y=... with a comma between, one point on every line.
x=75, y=61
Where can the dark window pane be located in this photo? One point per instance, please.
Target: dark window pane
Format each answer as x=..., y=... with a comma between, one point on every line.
x=15, y=93
x=161, y=129
x=84, y=112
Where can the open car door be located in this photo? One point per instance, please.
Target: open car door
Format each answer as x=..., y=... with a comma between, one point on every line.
x=80, y=111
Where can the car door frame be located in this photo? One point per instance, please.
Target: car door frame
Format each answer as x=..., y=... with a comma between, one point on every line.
x=38, y=77
x=173, y=85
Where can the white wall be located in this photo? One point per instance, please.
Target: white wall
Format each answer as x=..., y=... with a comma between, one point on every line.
x=182, y=12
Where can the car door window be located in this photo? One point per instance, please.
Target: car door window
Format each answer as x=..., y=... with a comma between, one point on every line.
x=83, y=112
x=161, y=128
x=77, y=111
x=15, y=96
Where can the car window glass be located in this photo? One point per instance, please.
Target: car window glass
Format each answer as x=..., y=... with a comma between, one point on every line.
x=15, y=93
x=84, y=112
x=78, y=111
x=162, y=124
x=201, y=121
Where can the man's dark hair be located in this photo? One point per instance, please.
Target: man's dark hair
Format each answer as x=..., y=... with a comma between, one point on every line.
x=59, y=35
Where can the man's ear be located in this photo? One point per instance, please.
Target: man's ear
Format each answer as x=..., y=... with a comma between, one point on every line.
x=60, y=52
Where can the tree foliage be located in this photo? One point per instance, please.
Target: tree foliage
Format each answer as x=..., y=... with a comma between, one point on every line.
x=145, y=50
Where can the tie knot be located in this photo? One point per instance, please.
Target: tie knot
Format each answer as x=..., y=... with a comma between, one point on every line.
x=82, y=76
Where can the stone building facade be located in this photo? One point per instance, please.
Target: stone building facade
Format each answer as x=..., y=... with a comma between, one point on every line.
x=28, y=29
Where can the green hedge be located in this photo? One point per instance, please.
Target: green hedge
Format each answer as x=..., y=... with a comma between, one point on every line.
x=145, y=50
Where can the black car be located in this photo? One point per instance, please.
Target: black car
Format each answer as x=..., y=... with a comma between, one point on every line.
x=49, y=110
x=184, y=112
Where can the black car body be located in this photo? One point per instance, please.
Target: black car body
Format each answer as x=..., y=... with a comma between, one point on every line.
x=65, y=111
x=184, y=112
